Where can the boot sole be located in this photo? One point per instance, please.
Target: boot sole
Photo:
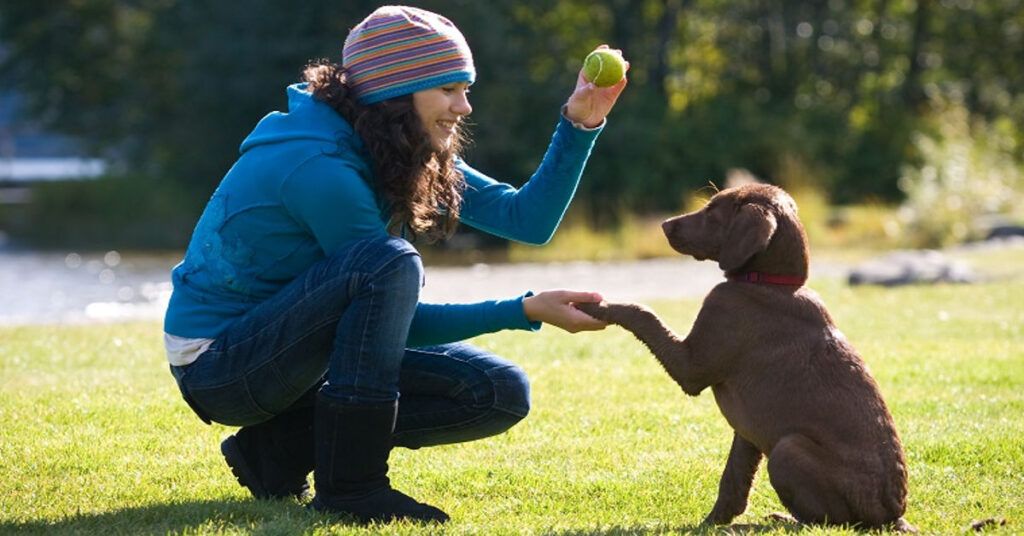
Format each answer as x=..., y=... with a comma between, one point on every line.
x=384, y=505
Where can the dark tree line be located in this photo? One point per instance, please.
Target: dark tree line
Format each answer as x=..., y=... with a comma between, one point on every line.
x=825, y=92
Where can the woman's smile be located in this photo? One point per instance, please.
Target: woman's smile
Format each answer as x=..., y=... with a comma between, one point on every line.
x=441, y=108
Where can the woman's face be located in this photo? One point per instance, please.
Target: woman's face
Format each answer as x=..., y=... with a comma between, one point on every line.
x=440, y=109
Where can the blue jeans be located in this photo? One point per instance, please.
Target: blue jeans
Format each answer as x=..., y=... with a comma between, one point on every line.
x=341, y=328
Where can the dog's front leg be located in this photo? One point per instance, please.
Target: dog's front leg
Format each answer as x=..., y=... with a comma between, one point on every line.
x=734, y=488
x=667, y=347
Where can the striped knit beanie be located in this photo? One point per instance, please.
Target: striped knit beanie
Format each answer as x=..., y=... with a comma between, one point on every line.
x=398, y=50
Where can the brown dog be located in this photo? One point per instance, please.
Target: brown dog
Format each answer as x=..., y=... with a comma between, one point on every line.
x=787, y=380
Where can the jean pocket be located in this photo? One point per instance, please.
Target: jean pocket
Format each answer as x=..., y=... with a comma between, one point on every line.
x=231, y=403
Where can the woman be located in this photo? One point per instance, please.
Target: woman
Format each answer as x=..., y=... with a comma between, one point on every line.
x=295, y=312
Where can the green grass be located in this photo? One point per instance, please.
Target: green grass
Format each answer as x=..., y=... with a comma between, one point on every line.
x=94, y=438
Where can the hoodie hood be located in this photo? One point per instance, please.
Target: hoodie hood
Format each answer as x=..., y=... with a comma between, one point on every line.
x=307, y=119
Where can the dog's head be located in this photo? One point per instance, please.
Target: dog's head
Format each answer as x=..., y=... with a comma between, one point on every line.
x=754, y=226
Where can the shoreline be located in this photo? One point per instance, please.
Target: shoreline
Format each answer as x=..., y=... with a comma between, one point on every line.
x=47, y=288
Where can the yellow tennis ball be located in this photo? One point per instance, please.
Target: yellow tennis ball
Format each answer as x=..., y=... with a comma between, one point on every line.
x=604, y=68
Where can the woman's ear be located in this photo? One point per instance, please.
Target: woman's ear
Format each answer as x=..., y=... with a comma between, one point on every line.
x=749, y=232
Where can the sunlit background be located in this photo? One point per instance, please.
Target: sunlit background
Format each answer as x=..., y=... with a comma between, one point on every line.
x=895, y=124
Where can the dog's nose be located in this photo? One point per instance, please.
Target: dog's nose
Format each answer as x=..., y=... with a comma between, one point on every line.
x=666, y=225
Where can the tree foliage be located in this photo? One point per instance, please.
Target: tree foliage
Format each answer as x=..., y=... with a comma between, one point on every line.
x=170, y=87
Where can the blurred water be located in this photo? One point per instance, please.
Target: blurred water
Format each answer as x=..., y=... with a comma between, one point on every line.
x=73, y=287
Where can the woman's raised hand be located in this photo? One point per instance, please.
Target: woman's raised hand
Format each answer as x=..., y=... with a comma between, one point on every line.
x=590, y=104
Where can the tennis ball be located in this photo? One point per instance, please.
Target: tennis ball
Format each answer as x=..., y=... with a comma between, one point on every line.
x=604, y=68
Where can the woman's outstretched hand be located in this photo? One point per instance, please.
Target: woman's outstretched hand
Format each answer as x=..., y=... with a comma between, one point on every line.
x=589, y=104
x=555, y=307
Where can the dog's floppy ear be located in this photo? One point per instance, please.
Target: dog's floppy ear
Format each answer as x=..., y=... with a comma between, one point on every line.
x=749, y=232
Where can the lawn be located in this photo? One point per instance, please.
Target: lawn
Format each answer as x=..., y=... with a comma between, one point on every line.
x=95, y=439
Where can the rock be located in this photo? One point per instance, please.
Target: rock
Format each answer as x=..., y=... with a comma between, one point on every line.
x=1005, y=231
x=908, y=267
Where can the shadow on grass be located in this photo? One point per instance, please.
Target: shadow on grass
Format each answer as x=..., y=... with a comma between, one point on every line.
x=761, y=528
x=270, y=517
x=244, y=516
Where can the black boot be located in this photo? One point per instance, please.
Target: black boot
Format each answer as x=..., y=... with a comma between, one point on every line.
x=353, y=442
x=273, y=458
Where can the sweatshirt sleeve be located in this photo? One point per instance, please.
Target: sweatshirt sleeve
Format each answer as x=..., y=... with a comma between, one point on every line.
x=531, y=213
x=440, y=323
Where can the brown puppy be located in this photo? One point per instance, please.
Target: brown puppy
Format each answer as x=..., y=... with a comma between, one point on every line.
x=787, y=380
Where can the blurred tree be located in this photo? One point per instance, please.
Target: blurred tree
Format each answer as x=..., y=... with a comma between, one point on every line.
x=837, y=87
x=171, y=87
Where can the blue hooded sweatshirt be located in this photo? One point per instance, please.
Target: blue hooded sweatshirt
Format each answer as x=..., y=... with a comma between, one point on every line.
x=300, y=190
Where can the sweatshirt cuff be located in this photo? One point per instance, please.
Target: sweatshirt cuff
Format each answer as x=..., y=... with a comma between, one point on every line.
x=512, y=310
x=580, y=126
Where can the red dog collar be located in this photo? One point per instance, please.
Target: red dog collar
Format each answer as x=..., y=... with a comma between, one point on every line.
x=771, y=279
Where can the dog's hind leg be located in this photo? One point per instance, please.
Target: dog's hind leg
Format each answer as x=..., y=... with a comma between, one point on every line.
x=734, y=487
x=801, y=474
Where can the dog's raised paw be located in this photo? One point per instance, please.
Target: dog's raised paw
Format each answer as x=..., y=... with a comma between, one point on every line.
x=595, y=310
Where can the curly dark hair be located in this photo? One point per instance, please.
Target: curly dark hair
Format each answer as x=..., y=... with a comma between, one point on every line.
x=419, y=182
